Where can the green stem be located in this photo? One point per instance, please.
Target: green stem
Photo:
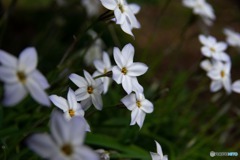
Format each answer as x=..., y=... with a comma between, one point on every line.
x=108, y=74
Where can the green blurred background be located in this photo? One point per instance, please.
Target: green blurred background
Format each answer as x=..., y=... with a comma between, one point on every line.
x=188, y=120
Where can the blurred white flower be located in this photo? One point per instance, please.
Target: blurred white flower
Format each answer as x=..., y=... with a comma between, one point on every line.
x=213, y=49
x=89, y=91
x=159, y=154
x=126, y=71
x=70, y=107
x=221, y=76
x=206, y=65
x=124, y=14
x=20, y=76
x=103, y=66
x=95, y=50
x=92, y=7
x=201, y=8
x=236, y=86
x=139, y=107
x=104, y=155
x=65, y=142
x=233, y=38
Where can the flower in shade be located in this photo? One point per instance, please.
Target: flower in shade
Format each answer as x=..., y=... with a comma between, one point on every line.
x=236, y=86
x=139, y=107
x=70, y=107
x=126, y=71
x=213, y=49
x=20, y=76
x=221, y=76
x=103, y=66
x=201, y=8
x=65, y=142
x=159, y=155
x=233, y=38
x=89, y=91
x=124, y=14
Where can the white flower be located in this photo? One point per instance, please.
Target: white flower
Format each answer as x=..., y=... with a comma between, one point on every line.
x=213, y=49
x=65, y=141
x=139, y=107
x=126, y=71
x=124, y=14
x=221, y=76
x=159, y=154
x=95, y=50
x=233, y=38
x=103, y=67
x=92, y=7
x=20, y=76
x=236, y=86
x=201, y=8
x=206, y=65
x=89, y=91
x=70, y=107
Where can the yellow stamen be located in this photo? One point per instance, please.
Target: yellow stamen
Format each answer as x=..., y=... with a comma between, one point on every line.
x=67, y=149
x=138, y=104
x=124, y=70
x=120, y=6
x=213, y=50
x=90, y=89
x=21, y=76
x=222, y=73
x=105, y=71
x=71, y=112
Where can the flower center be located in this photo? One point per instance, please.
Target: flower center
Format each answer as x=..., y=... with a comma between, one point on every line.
x=222, y=73
x=90, y=89
x=212, y=49
x=105, y=71
x=120, y=6
x=21, y=76
x=71, y=112
x=138, y=104
x=124, y=70
x=67, y=149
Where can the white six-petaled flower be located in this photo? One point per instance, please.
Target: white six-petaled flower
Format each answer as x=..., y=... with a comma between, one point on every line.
x=159, y=155
x=139, y=106
x=213, y=49
x=103, y=66
x=124, y=14
x=221, y=76
x=201, y=8
x=70, y=107
x=126, y=71
x=65, y=142
x=233, y=38
x=20, y=76
x=89, y=91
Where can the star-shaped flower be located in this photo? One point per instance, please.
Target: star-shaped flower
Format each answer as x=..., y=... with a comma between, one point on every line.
x=65, y=141
x=103, y=66
x=159, y=154
x=20, y=76
x=221, y=76
x=201, y=8
x=124, y=14
x=139, y=107
x=126, y=71
x=89, y=91
x=213, y=49
x=233, y=38
x=70, y=107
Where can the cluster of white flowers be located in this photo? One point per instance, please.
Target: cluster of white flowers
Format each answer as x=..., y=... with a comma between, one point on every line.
x=68, y=126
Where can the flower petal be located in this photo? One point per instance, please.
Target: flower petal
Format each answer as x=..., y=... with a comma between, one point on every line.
x=128, y=54
x=37, y=93
x=140, y=118
x=127, y=28
x=147, y=106
x=40, y=79
x=28, y=60
x=60, y=102
x=127, y=84
x=134, y=8
x=216, y=86
x=133, y=20
x=109, y=4
x=97, y=101
x=78, y=80
x=129, y=101
x=117, y=75
x=89, y=78
x=8, y=60
x=118, y=57
x=83, y=152
x=136, y=86
x=72, y=101
x=106, y=60
x=8, y=75
x=81, y=94
x=77, y=127
x=43, y=145
x=236, y=86
x=86, y=103
x=227, y=85
x=120, y=17
x=99, y=65
x=13, y=94
x=134, y=116
x=137, y=69
x=159, y=150
x=154, y=156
